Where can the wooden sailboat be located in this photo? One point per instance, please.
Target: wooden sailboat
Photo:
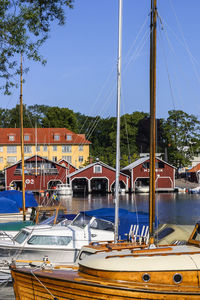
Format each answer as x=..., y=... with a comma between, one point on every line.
x=118, y=270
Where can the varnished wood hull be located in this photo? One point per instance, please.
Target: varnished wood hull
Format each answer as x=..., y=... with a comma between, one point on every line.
x=59, y=284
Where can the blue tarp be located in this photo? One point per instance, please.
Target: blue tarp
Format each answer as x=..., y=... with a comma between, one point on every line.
x=8, y=206
x=16, y=196
x=126, y=218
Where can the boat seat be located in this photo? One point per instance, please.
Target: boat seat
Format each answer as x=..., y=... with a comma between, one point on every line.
x=135, y=235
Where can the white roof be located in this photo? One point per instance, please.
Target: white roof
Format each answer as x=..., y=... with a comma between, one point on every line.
x=93, y=164
x=142, y=160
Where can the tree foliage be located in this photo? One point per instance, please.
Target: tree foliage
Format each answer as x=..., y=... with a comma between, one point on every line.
x=24, y=27
x=179, y=134
x=181, y=137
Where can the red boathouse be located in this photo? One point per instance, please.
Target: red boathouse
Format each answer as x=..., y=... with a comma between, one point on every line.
x=139, y=174
x=97, y=178
x=40, y=174
x=70, y=168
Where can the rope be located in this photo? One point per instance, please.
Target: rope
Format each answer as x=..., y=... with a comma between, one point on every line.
x=32, y=272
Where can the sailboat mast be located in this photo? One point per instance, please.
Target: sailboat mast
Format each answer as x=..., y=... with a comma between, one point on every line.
x=118, y=123
x=152, y=118
x=22, y=145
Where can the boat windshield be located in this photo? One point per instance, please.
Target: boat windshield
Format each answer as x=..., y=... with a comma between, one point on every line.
x=21, y=236
x=81, y=220
x=102, y=225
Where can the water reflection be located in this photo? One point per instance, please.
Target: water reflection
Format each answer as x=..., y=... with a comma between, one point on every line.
x=170, y=207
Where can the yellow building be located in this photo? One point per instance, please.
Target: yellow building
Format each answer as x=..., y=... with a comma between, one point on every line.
x=52, y=143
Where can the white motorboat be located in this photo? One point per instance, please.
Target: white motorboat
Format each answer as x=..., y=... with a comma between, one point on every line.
x=59, y=243
x=64, y=189
x=142, y=189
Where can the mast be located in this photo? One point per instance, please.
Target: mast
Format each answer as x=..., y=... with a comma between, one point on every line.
x=36, y=148
x=152, y=118
x=22, y=145
x=118, y=123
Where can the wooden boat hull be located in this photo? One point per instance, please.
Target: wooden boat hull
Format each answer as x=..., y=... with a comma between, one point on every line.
x=58, y=284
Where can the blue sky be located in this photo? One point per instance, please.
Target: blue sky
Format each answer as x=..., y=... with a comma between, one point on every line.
x=82, y=60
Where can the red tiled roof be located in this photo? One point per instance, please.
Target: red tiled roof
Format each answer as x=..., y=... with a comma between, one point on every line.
x=44, y=136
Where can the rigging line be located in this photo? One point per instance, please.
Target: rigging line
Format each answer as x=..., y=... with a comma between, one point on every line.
x=109, y=76
x=137, y=36
x=170, y=84
x=127, y=54
x=133, y=57
x=137, y=50
x=98, y=96
x=126, y=129
x=192, y=59
x=182, y=44
x=32, y=272
x=167, y=69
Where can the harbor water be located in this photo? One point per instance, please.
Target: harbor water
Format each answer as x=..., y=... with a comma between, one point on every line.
x=173, y=208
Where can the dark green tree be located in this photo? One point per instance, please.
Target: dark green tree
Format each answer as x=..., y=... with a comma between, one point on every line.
x=11, y=118
x=57, y=117
x=181, y=137
x=24, y=27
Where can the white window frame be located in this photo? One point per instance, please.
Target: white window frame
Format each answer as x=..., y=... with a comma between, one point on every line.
x=56, y=137
x=11, y=137
x=68, y=158
x=80, y=148
x=1, y=148
x=27, y=149
x=54, y=158
x=66, y=148
x=26, y=137
x=54, y=148
x=80, y=159
x=11, y=159
x=37, y=148
x=69, y=137
x=45, y=149
x=12, y=149
x=95, y=169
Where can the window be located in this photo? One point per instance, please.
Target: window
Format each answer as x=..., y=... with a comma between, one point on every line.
x=1, y=159
x=145, y=165
x=97, y=169
x=80, y=147
x=54, y=148
x=80, y=159
x=27, y=149
x=11, y=138
x=67, y=148
x=56, y=137
x=1, y=148
x=45, y=148
x=49, y=240
x=11, y=159
x=54, y=158
x=21, y=236
x=69, y=137
x=11, y=149
x=159, y=165
x=37, y=148
x=67, y=158
x=26, y=137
